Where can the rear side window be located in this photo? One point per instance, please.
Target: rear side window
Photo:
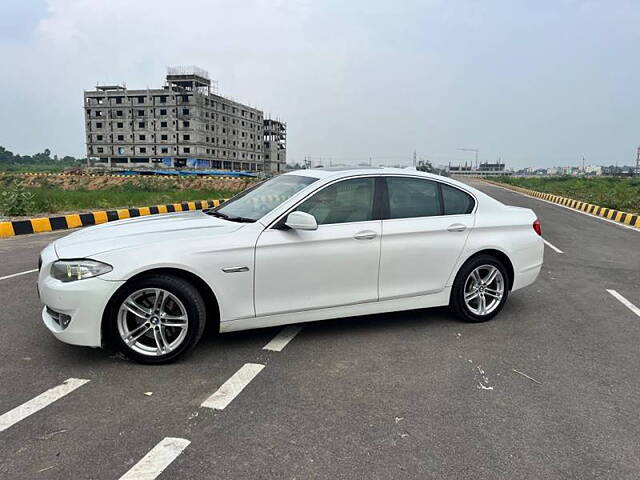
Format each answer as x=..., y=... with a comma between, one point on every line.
x=413, y=197
x=456, y=202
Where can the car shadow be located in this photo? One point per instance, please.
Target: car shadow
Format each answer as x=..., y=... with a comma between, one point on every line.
x=214, y=343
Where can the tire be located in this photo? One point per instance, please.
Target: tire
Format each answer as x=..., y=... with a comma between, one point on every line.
x=467, y=281
x=163, y=319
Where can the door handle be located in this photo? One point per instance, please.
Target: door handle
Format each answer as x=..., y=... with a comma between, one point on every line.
x=457, y=227
x=365, y=235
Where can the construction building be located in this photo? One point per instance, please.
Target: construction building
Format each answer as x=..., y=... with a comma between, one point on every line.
x=184, y=124
x=484, y=169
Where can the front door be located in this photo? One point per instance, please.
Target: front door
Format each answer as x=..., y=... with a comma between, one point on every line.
x=335, y=265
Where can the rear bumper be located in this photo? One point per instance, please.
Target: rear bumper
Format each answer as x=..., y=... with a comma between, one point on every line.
x=524, y=278
x=527, y=265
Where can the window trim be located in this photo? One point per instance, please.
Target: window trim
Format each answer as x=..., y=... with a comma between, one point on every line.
x=281, y=218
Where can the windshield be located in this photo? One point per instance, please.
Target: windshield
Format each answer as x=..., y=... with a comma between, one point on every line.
x=256, y=202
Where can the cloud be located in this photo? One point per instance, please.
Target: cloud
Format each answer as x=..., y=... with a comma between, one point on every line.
x=540, y=84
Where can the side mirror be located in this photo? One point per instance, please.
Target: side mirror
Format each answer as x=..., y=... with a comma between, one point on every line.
x=301, y=221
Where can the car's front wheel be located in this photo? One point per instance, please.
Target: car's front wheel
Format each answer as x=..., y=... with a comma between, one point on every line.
x=480, y=289
x=156, y=318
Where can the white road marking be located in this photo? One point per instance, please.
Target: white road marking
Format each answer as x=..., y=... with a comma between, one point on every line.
x=552, y=247
x=629, y=227
x=18, y=274
x=158, y=458
x=282, y=339
x=232, y=387
x=38, y=403
x=625, y=302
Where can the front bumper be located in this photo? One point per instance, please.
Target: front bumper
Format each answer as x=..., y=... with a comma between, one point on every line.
x=84, y=301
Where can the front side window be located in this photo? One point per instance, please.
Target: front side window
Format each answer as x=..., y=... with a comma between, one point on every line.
x=456, y=202
x=346, y=201
x=256, y=202
x=413, y=197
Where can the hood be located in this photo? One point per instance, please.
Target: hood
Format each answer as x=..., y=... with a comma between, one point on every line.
x=140, y=231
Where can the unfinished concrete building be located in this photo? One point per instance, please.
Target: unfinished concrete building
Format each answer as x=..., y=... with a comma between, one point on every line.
x=184, y=124
x=275, y=145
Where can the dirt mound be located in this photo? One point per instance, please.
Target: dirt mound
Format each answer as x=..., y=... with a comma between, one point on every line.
x=84, y=182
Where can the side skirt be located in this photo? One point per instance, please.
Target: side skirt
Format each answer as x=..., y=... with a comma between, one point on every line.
x=394, y=305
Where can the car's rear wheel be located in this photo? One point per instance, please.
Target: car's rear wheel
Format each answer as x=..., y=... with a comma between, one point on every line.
x=156, y=318
x=480, y=289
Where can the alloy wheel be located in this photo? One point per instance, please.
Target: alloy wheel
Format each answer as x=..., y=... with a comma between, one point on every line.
x=152, y=322
x=484, y=289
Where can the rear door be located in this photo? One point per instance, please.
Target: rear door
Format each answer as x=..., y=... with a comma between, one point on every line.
x=423, y=234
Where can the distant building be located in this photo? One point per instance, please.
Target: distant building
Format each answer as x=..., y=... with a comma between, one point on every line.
x=593, y=170
x=485, y=169
x=615, y=171
x=182, y=124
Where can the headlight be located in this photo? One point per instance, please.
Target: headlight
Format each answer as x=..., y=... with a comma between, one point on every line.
x=72, y=270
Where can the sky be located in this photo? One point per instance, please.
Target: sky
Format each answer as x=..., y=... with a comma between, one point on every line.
x=535, y=83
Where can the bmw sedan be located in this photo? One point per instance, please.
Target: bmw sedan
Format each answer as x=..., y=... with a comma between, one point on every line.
x=307, y=245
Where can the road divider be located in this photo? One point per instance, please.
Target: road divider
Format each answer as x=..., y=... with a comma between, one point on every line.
x=625, y=218
x=38, y=403
x=158, y=458
x=75, y=220
x=232, y=387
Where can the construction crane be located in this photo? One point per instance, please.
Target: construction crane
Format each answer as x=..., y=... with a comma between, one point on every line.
x=474, y=150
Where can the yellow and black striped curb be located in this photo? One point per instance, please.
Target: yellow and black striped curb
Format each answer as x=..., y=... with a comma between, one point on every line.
x=49, y=174
x=625, y=218
x=74, y=220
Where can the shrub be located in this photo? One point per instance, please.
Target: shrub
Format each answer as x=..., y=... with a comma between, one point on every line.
x=15, y=200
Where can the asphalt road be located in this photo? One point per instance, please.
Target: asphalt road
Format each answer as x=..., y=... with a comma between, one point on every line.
x=409, y=395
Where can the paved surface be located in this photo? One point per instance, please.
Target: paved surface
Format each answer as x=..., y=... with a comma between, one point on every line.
x=409, y=395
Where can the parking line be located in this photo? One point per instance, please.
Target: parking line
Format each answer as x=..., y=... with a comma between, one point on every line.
x=625, y=302
x=38, y=403
x=158, y=458
x=18, y=274
x=282, y=339
x=232, y=387
x=552, y=247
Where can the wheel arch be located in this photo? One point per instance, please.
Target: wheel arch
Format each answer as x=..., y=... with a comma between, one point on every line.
x=497, y=254
x=209, y=297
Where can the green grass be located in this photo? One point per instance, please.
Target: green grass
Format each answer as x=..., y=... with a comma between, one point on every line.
x=618, y=193
x=50, y=200
x=19, y=198
x=37, y=167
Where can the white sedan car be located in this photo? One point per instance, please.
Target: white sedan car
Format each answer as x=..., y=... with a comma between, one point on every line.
x=307, y=245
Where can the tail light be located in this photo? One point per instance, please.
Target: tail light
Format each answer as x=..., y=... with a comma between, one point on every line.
x=537, y=227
